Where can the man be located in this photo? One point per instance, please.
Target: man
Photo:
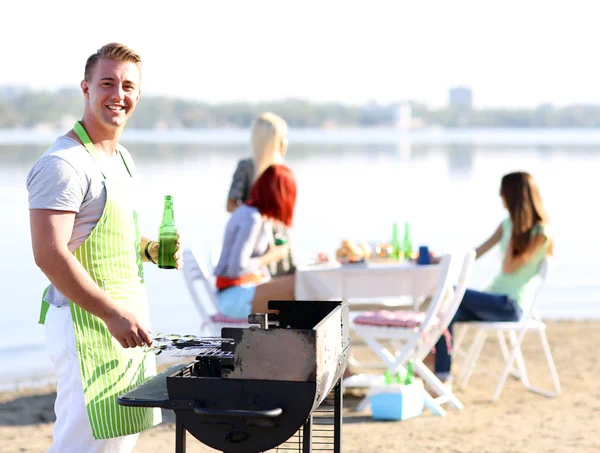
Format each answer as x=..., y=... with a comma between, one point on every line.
x=86, y=240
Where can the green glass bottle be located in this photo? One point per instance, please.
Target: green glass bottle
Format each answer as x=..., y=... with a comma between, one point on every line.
x=407, y=244
x=167, y=236
x=396, y=249
x=280, y=239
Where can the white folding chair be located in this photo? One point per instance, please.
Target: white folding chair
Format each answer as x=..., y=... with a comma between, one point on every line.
x=200, y=284
x=411, y=341
x=446, y=313
x=530, y=322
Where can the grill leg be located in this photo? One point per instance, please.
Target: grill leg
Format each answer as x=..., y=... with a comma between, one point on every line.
x=337, y=416
x=180, y=446
x=307, y=435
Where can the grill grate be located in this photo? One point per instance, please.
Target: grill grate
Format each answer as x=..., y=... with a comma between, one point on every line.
x=322, y=430
x=190, y=346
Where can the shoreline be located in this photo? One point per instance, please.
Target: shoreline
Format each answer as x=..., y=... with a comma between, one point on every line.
x=520, y=421
x=31, y=377
x=431, y=135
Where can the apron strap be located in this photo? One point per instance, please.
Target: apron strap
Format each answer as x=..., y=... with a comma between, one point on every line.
x=89, y=146
x=44, y=308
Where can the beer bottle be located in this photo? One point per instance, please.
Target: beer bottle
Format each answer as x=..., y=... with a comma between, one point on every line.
x=167, y=237
x=280, y=239
x=407, y=242
x=396, y=249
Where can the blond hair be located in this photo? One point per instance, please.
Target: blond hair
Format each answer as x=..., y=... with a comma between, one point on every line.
x=112, y=51
x=268, y=131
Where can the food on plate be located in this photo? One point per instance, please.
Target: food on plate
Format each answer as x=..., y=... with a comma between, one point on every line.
x=322, y=258
x=367, y=250
x=351, y=251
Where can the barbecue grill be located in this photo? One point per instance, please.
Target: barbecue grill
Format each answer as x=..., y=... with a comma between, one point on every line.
x=273, y=385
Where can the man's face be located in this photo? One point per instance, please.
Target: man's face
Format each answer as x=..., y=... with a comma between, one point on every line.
x=113, y=92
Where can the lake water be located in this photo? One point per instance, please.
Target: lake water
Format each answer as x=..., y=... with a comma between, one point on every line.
x=352, y=184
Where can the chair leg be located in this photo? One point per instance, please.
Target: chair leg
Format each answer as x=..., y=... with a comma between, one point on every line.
x=433, y=405
x=364, y=403
x=473, y=355
x=551, y=368
x=515, y=354
x=381, y=351
x=430, y=378
x=522, y=369
x=460, y=338
x=550, y=361
x=505, y=353
x=504, y=349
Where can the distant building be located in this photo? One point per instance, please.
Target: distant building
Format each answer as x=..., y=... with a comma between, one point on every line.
x=461, y=97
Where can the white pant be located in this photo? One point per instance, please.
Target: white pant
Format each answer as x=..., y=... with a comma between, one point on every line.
x=72, y=431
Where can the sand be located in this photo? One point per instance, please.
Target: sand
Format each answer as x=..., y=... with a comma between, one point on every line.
x=520, y=422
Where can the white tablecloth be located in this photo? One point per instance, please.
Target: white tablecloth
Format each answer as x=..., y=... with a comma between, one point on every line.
x=365, y=281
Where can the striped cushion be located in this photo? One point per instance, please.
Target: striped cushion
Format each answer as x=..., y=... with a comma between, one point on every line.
x=388, y=318
x=222, y=319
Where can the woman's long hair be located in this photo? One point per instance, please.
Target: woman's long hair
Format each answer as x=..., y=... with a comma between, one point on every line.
x=268, y=132
x=274, y=194
x=524, y=203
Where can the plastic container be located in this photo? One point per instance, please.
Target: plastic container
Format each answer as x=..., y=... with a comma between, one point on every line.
x=397, y=401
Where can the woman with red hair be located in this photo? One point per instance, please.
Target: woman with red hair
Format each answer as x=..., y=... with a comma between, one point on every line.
x=243, y=282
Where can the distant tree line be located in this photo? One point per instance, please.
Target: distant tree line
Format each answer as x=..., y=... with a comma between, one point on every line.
x=28, y=108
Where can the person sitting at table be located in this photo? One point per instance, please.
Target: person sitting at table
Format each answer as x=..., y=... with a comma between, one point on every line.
x=243, y=281
x=269, y=145
x=525, y=241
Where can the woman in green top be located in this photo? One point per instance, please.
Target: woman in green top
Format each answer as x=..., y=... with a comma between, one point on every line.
x=525, y=241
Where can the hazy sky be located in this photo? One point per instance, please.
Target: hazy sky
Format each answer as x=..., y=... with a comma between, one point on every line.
x=511, y=53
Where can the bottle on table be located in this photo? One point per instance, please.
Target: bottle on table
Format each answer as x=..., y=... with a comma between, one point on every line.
x=167, y=236
x=407, y=243
x=396, y=248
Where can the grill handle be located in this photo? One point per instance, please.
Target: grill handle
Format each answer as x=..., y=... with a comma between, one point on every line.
x=270, y=413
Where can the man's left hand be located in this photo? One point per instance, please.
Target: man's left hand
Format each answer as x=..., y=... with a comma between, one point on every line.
x=153, y=250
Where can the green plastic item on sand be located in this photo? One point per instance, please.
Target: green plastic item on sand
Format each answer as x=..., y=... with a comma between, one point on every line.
x=409, y=379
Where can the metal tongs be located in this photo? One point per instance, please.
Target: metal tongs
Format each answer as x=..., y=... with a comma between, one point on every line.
x=170, y=342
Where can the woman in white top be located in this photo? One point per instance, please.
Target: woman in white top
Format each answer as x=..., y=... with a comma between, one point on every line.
x=243, y=281
x=269, y=146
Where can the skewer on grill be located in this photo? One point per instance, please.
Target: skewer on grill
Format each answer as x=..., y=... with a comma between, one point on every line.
x=188, y=345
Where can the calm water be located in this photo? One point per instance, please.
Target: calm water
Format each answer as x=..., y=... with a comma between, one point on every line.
x=352, y=184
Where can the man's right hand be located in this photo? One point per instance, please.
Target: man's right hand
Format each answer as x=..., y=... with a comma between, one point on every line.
x=127, y=329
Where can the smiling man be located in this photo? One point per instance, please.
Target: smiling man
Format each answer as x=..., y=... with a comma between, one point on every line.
x=86, y=240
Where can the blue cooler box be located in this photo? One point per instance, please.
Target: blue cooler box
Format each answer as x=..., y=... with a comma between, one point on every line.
x=397, y=401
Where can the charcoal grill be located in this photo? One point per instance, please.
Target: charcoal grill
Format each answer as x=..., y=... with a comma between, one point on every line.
x=275, y=385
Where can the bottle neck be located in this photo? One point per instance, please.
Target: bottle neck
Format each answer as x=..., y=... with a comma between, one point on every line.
x=395, y=231
x=168, y=215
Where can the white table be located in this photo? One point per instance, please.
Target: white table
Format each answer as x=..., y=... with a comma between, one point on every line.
x=367, y=281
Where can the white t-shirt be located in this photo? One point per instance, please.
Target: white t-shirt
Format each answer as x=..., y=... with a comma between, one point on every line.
x=67, y=178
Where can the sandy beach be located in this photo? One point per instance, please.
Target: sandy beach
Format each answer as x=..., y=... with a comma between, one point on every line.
x=520, y=422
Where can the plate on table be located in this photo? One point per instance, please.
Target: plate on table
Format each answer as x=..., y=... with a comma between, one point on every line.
x=352, y=260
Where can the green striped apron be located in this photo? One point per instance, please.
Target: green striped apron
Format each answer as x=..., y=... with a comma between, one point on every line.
x=111, y=255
